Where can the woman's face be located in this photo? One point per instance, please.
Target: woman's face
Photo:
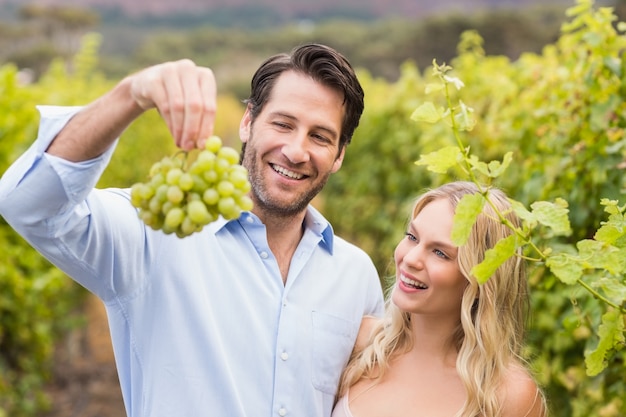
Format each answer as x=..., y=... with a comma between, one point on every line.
x=428, y=278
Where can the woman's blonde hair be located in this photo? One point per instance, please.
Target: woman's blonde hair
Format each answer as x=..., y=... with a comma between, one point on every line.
x=490, y=333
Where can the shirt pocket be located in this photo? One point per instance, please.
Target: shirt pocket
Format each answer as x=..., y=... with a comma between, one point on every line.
x=333, y=340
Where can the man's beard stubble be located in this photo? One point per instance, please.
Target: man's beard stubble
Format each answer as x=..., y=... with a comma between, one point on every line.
x=263, y=200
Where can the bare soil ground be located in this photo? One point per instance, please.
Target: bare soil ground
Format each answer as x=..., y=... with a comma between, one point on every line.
x=85, y=382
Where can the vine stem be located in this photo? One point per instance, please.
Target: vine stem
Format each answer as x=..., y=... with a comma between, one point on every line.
x=599, y=296
x=455, y=130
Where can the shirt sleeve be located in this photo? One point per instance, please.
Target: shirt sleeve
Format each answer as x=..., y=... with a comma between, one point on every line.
x=50, y=202
x=38, y=185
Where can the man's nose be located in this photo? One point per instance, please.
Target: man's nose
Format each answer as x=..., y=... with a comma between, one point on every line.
x=296, y=149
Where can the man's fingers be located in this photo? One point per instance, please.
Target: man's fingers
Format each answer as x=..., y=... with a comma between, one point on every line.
x=208, y=90
x=199, y=106
x=173, y=108
x=185, y=96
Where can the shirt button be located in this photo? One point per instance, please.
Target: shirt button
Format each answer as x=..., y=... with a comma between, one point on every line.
x=282, y=412
x=249, y=219
x=284, y=356
x=263, y=255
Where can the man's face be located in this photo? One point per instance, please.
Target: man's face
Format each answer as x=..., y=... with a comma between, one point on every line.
x=293, y=145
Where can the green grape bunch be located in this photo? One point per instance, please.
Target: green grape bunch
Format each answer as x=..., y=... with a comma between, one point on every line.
x=183, y=194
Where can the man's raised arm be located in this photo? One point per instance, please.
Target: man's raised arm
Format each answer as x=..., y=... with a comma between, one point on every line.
x=183, y=93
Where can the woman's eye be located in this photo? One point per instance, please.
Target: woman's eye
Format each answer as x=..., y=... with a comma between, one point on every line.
x=440, y=254
x=411, y=237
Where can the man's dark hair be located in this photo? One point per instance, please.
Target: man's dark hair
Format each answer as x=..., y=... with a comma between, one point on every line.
x=326, y=66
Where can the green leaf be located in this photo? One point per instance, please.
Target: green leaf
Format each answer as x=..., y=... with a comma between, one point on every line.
x=599, y=255
x=464, y=119
x=427, y=112
x=611, y=334
x=565, y=268
x=612, y=231
x=433, y=87
x=497, y=168
x=455, y=81
x=478, y=165
x=503, y=250
x=553, y=215
x=440, y=161
x=523, y=213
x=613, y=288
x=494, y=168
x=468, y=208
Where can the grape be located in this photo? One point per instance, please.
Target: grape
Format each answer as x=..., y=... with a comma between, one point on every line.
x=225, y=188
x=174, y=218
x=211, y=196
x=186, y=191
x=185, y=181
x=174, y=194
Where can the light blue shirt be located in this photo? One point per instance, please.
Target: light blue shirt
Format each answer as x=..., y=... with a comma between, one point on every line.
x=201, y=326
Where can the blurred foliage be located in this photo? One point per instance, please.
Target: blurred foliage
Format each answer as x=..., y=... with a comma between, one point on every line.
x=234, y=50
x=43, y=33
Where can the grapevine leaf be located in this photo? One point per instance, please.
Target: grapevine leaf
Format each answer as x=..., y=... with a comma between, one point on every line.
x=468, y=208
x=523, y=213
x=478, y=165
x=611, y=206
x=553, y=215
x=433, y=87
x=611, y=334
x=613, y=289
x=598, y=255
x=612, y=231
x=497, y=168
x=458, y=84
x=427, y=112
x=503, y=250
x=440, y=161
x=464, y=119
x=565, y=268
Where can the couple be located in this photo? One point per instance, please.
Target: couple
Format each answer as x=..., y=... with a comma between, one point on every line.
x=258, y=316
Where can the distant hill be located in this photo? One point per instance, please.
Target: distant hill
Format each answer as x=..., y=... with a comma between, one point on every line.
x=285, y=9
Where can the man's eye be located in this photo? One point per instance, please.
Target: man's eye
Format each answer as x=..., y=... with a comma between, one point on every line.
x=321, y=138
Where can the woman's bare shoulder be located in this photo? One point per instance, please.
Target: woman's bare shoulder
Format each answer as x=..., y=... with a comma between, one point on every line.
x=521, y=395
x=368, y=323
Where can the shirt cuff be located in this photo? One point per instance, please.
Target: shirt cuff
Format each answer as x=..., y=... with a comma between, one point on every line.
x=78, y=178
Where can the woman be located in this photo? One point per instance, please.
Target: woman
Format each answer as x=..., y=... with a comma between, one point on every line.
x=447, y=346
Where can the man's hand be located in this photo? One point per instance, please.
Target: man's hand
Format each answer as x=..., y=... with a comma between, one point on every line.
x=184, y=94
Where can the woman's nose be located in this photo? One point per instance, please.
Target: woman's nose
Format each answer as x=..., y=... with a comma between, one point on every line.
x=415, y=257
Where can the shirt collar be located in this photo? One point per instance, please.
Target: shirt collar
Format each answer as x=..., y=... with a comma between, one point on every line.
x=313, y=221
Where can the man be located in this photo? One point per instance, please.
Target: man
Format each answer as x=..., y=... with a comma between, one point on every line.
x=251, y=317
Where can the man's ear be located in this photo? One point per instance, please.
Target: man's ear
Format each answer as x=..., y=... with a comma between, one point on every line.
x=245, y=125
x=339, y=161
